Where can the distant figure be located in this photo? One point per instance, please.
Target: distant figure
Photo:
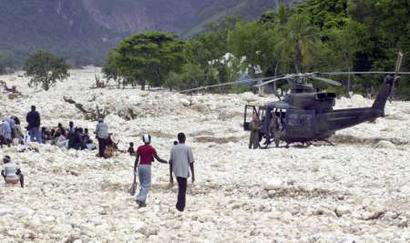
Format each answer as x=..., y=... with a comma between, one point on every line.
x=275, y=128
x=60, y=128
x=101, y=135
x=45, y=135
x=5, y=133
x=33, y=120
x=12, y=124
x=61, y=140
x=145, y=156
x=131, y=150
x=181, y=161
x=255, y=126
x=10, y=173
x=71, y=128
x=75, y=140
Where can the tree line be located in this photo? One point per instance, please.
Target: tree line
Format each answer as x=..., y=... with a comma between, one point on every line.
x=316, y=35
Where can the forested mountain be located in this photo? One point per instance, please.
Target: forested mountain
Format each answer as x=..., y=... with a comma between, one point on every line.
x=84, y=30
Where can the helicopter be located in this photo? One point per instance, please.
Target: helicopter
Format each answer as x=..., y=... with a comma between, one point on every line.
x=306, y=115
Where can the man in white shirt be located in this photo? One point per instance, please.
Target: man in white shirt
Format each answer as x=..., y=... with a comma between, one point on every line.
x=102, y=135
x=182, y=161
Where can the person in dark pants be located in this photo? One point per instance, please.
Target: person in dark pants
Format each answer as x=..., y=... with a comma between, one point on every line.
x=102, y=136
x=33, y=120
x=182, y=162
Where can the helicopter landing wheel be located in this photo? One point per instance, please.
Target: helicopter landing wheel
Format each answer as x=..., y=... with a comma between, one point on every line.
x=277, y=141
x=266, y=143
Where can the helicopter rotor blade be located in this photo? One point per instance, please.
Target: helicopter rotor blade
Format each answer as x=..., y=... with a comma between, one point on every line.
x=369, y=72
x=224, y=84
x=273, y=80
x=326, y=80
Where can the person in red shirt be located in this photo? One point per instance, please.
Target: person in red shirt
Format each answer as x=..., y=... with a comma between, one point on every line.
x=145, y=156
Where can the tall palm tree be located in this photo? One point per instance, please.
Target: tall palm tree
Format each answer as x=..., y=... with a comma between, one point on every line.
x=298, y=38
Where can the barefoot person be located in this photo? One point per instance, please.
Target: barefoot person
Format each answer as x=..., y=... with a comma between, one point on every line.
x=10, y=173
x=182, y=160
x=145, y=156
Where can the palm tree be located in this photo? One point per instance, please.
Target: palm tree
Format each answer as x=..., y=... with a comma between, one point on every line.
x=298, y=38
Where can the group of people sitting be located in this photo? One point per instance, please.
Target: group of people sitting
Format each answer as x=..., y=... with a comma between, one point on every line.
x=69, y=138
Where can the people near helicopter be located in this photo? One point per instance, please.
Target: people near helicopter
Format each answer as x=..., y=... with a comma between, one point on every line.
x=11, y=173
x=275, y=128
x=255, y=126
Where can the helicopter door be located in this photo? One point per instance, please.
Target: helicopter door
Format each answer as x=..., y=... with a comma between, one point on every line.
x=247, y=117
x=299, y=124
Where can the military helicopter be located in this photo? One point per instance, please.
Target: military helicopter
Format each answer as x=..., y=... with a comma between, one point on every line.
x=306, y=115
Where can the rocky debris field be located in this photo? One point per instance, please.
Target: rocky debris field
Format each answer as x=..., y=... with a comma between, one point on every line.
x=358, y=190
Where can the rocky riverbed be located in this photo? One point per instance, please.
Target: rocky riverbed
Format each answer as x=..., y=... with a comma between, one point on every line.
x=358, y=190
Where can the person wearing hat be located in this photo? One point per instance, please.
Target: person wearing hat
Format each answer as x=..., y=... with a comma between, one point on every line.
x=10, y=173
x=145, y=155
x=102, y=135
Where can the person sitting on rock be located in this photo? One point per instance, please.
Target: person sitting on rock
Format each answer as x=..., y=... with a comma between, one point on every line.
x=131, y=150
x=111, y=147
x=10, y=173
x=60, y=129
x=45, y=135
x=75, y=140
x=61, y=140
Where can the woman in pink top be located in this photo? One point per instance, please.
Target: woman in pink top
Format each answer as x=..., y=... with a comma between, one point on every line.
x=145, y=156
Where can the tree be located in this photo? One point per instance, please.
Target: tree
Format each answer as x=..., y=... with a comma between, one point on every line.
x=298, y=38
x=111, y=68
x=255, y=42
x=150, y=56
x=45, y=69
x=190, y=76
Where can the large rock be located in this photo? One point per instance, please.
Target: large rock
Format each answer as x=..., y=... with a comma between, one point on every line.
x=384, y=144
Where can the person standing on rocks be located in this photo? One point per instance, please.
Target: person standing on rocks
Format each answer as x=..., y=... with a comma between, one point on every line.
x=181, y=161
x=255, y=126
x=33, y=120
x=102, y=136
x=145, y=156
